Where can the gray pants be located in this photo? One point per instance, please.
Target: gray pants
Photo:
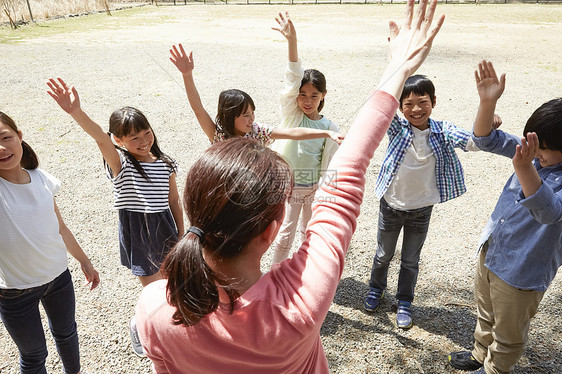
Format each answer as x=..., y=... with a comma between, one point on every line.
x=391, y=221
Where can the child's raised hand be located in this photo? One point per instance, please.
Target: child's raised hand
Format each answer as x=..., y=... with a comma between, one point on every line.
x=286, y=27
x=527, y=151
x=67, y=98
x=183, y=61
x=490, y=88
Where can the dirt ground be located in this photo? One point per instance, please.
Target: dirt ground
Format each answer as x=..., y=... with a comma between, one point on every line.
x=123, y=60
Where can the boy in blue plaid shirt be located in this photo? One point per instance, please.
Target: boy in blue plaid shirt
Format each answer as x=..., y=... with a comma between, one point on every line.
x=420, y=169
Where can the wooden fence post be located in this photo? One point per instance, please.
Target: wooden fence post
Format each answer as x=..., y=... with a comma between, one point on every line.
x=107, y=10
x=30, y=14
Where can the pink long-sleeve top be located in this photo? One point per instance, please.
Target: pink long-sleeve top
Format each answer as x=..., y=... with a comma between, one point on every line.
x=275, y=326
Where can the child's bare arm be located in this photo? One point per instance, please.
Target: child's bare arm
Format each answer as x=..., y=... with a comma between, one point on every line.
x=175, y=205
x=69, y=101
x=287, y=29
x=185, y=65
x=490, y=89
x=523, y=164
x=72, y=246
x=303, y=133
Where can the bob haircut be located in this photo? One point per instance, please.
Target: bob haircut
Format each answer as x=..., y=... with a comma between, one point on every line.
x=232, y=103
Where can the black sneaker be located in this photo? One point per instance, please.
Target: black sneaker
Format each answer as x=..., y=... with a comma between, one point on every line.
x=404, y=315
x=463, y=360
x=135, y=340
x=373, y=299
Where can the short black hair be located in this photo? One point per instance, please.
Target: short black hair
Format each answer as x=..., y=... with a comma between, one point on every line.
x=419, y=85
x=546, y=122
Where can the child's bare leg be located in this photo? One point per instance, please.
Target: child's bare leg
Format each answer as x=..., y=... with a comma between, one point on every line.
x=306, y=214
x=285, y=237
x=146, y=280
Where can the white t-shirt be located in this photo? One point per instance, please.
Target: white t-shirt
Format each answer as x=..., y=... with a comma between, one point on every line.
x=415, y=185
x=32, y=251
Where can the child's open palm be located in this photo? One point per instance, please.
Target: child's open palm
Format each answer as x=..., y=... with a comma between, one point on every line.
x=286, y=27
x=183, y=61
x=527, y=151
x=522, y=163
x=67, y=98
x=490, y=88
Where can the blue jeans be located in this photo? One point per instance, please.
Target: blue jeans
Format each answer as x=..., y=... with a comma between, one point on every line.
x=19, y=310
x=391, y=221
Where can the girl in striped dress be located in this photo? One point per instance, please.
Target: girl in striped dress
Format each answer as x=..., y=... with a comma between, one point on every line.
x=144, y=183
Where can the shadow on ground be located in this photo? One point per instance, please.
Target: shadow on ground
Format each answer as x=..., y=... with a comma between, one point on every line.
x=452, y=321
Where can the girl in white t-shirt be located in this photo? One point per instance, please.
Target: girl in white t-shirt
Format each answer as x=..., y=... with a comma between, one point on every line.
x=235, y=113
x=33, y=262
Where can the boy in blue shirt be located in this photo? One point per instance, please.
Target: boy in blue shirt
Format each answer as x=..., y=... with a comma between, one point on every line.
x=420, y=169
x=521, y=246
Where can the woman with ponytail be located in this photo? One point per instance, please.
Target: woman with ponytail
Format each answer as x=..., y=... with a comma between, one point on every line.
x=243, y=194
x=215, y=311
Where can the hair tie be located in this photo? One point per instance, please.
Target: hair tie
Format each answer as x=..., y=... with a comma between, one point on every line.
x=197, y=231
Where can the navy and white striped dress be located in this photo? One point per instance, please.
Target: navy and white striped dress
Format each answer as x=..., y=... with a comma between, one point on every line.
x=147, y=228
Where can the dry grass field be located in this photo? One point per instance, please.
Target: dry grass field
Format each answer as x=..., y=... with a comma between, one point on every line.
x=123, y=60
x=22, y=10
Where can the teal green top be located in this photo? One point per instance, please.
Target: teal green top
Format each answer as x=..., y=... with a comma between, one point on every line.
x=305, y=156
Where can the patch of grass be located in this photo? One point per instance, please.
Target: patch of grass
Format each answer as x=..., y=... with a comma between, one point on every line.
x=131, y=17
x=541, y=15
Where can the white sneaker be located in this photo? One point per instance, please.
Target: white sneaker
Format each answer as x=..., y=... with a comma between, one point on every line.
x=135, y=340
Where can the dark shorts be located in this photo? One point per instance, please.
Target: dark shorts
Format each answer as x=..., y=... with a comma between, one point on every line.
x=145, y=239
